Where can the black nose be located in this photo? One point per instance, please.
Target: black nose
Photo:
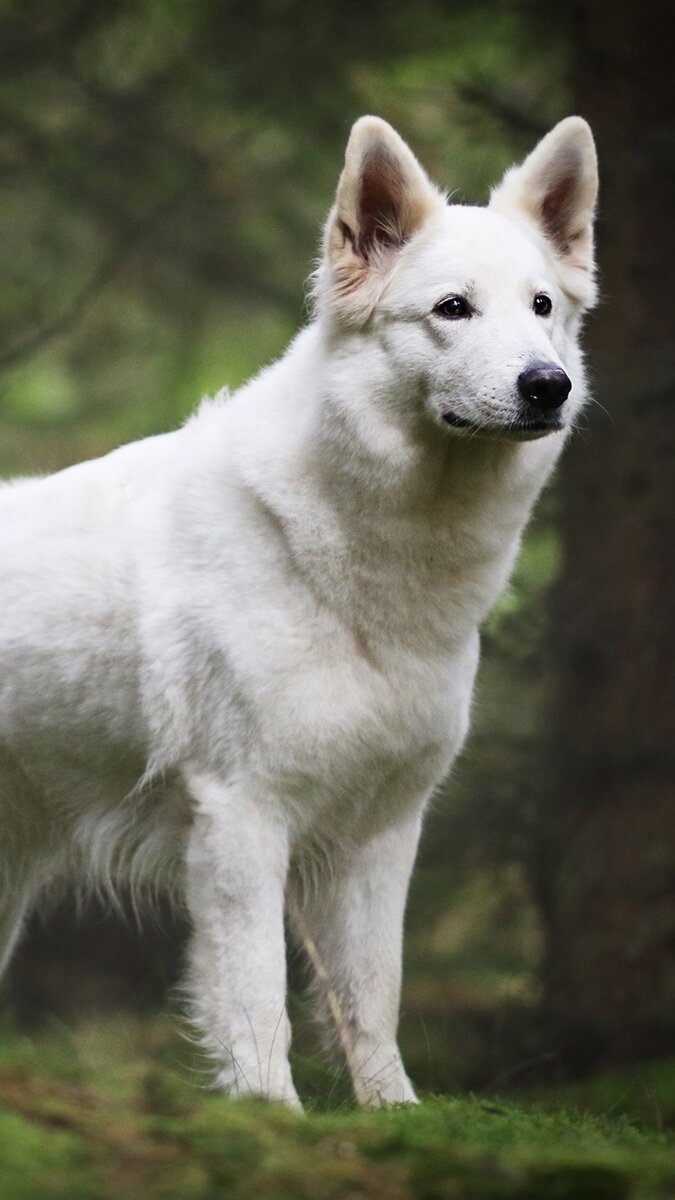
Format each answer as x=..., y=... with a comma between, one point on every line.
x=543, y=386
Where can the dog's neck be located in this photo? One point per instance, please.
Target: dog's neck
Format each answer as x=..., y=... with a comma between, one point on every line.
x=376, y=445
x=397, y=505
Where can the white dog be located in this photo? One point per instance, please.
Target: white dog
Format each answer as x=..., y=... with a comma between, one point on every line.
x=237, y=659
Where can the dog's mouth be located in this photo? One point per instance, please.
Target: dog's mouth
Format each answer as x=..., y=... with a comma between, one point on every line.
x=526, y=429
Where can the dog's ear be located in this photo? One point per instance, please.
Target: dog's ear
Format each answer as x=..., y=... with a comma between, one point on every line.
x=383, y=197
x=556, y=190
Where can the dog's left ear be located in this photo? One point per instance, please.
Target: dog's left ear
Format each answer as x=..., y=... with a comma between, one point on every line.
x=556, y=189
x=383, y=198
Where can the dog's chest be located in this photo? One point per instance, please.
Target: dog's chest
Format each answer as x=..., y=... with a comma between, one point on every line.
x=350, y=664
x=343, y=731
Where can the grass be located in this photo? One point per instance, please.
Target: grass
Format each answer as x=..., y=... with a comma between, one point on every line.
x=113, y=1111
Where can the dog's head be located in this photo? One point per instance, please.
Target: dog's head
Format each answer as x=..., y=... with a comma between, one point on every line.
x=475, y=309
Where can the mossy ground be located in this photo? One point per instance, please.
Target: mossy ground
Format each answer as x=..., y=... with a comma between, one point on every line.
x=113, y=1112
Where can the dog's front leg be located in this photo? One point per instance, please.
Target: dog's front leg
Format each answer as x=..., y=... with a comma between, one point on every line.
x=237, y=860
x=352, y=927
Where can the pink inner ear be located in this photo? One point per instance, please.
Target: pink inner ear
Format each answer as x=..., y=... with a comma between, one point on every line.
x=560, y=201
x=380, y=203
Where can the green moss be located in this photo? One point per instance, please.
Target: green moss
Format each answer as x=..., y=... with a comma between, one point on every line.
x=92, y=1115
x=39, y=1160
x=643, y=1091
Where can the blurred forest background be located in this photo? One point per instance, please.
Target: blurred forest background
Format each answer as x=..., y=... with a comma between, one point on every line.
x=165, y=171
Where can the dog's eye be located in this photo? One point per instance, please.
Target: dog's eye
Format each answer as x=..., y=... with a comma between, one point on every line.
x=542, y=304
x=453, y=308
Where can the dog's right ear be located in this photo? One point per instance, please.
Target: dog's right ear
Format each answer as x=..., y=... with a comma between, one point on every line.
x=555, y=191
x=383, y=197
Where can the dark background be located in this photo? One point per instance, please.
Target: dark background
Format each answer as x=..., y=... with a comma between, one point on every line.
x=165, y=170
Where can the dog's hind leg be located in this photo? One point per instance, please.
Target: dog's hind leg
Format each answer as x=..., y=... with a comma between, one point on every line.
x=16, y=898
x=351, y=925
x=23, y=825
x=236, y=869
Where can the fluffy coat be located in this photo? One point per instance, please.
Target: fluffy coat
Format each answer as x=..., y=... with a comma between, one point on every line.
x=237, y=659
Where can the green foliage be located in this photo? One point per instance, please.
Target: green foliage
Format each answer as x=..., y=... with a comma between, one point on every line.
x=110, y=1114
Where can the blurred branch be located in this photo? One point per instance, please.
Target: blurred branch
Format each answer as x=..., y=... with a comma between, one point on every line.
x=45, y=159
x=214, y=266
x=511, y=114
x=94, y=285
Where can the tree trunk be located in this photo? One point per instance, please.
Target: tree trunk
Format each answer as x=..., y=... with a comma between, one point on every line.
x=608, y=883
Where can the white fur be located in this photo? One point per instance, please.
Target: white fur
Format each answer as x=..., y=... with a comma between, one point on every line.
x=237, y=659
